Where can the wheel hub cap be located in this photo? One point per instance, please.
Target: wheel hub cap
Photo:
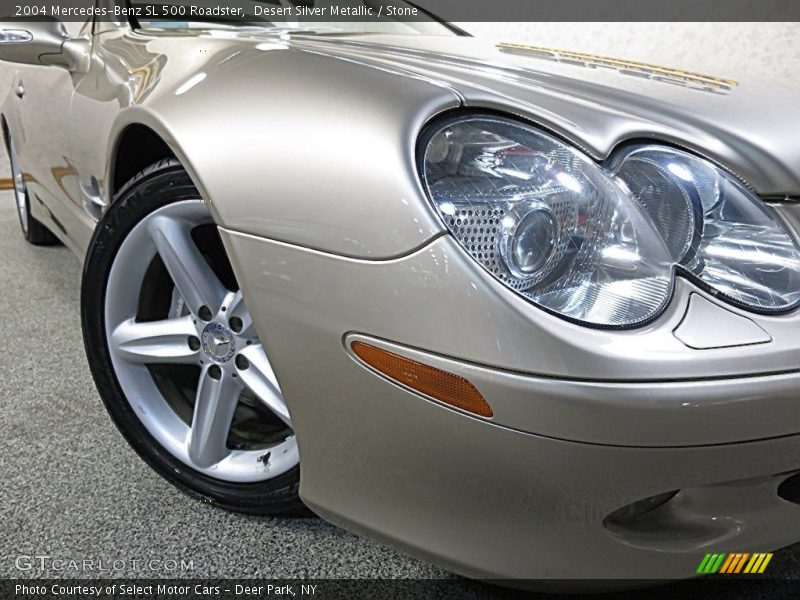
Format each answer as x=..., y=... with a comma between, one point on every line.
x=217, y=341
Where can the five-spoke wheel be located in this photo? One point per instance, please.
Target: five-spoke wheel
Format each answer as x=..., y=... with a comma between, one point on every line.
x=187, y=363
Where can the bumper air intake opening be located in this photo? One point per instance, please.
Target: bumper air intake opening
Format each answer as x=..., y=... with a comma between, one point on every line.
x=789, y=489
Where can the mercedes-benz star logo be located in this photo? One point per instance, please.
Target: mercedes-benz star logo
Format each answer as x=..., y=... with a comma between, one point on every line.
x=219, y=346
x=217, y=342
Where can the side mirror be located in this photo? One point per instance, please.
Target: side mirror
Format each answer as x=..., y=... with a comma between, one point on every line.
x=43, y=43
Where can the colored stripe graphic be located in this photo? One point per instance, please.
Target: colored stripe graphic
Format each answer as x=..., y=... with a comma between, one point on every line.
x=767, y=558
x=718, y=563
x=729, y=563
x=735, y=562
x=740, y=564
x=711, y=563
x=703, y=564
x=754, y=564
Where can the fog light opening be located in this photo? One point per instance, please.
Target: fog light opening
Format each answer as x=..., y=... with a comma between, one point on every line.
x=627, y=514
x=789, y=489
x=440, y=385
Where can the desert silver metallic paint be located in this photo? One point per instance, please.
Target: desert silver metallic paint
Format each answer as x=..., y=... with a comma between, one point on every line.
x=304, y=147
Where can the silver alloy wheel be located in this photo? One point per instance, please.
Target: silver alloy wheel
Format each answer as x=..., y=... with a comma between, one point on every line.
x=20, y=192
x=208, y=326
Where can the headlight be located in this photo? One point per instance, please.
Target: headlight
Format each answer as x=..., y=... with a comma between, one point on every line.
x=715, y=228
x=602, y=245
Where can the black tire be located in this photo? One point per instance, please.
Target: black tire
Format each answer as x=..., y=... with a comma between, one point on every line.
x=37, y=234
x=158, y=185
x=33, y=230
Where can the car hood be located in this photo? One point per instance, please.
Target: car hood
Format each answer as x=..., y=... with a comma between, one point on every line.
x=743, y=121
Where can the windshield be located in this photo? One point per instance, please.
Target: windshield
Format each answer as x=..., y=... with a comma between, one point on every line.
x=298, y=16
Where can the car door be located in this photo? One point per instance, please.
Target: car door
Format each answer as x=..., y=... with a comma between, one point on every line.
x=120, y=71
x=99, y=96
x=41, y=101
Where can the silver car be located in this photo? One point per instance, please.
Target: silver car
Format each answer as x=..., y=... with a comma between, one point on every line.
x=526, y=313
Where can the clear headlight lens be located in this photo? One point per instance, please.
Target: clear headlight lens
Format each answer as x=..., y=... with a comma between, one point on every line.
x=547, y=221
x=599, y=245
x=716, y=229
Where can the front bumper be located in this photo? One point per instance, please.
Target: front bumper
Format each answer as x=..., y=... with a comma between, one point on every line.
x=608, y=419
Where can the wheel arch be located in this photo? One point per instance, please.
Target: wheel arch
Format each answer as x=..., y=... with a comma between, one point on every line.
x=6, y=132
x=137, y=147
x=137, y=139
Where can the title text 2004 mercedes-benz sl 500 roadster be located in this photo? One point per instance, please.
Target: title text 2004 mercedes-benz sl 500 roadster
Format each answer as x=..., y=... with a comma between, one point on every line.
x=525, y=313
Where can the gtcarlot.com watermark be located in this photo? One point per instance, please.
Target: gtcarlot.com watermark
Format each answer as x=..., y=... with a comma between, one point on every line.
x=33, y=564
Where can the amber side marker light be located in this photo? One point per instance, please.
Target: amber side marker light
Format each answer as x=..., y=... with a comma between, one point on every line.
x=439, y=385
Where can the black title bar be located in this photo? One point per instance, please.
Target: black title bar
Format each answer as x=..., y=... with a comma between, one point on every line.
x=321, y=11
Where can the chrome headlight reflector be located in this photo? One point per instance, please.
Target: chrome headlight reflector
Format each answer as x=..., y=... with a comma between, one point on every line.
x=600, y=244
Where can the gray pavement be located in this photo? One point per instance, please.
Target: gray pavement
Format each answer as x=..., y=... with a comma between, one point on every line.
x=70, y=488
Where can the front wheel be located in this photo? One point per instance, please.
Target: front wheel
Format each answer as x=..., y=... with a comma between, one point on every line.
x=174, y=353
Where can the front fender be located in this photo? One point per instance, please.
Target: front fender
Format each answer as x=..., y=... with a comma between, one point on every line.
x=299, y=146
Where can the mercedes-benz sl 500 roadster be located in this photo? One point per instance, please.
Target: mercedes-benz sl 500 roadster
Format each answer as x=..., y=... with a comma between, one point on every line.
x=522, y=312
